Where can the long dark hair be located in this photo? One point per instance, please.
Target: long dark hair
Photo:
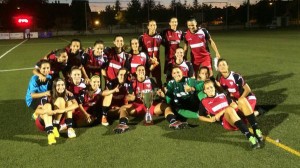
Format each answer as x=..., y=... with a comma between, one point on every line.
x=54, y=93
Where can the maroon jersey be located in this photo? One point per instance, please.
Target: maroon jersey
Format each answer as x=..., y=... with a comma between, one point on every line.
x=124, y=89
x=136, y=60
x=143, y=86
x=233, y=84
x=151, y=44
x=77, y=90
x=214, y=105
x=198, y=42
x=55, y=66
x=94, y=64
x=116, y=61
x=94, y=100
x=171, y=41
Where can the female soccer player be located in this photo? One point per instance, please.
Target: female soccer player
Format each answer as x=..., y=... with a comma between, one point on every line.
x=222, y=109
x=95, y=59
x=137, y=108
x=238, y=89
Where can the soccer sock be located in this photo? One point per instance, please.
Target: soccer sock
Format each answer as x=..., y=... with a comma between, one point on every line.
x=243, y=128
x=105, y=111
x=56, y=123
x=188, y=114
x=49, y=129
x=252, y=121
x=171, y=118
x=123, y=120
x=69, y=122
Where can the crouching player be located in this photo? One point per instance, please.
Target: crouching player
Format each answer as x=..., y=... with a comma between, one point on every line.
x=222, y=109
x=142, y=84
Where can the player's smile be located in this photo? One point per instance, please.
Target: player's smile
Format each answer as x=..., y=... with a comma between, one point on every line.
x=60, y=86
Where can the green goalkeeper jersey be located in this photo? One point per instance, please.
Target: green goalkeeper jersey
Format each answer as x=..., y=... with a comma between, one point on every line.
x=179, y=99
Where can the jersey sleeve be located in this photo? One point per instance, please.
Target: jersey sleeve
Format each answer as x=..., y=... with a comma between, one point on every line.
x=207, y=35
x=170, y=90
x=191, y=69
x=240, y=82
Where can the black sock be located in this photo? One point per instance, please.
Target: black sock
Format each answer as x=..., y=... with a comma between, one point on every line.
x=252, y=121
x=56, y=125
x=243, y=128
x=123, y=120
x=105, y=111
x=69, y=122
x=49, y=129
x=171, y=118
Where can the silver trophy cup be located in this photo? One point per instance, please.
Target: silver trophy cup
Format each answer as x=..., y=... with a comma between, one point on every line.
x=147, y=100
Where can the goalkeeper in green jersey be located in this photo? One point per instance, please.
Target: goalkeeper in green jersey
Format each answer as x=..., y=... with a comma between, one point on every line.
x=182, y=94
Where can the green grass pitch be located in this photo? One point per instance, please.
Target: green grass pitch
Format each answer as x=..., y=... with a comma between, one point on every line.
x=268, y=60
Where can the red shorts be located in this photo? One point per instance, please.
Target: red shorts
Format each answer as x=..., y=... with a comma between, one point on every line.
x=39, y=123
x=252, y=101
x=206, y=63
x=230, y=127
x=141, y=109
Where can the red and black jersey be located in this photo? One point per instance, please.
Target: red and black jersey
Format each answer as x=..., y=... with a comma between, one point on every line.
x=116, y=61
x=198, y=42
x=142, y=86
x=186, y=67
x=171, y=40
x=233, y=84
x=77, y=90
x=55, y=66
x=74, y=59
x=124, y=89
x=214, y=105
x=136, y=60
x=91, y=100
x=150, y=44
x=93, y=64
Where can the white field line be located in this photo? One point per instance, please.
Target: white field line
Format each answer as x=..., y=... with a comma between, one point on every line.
x=12, y=48
x=19, y=69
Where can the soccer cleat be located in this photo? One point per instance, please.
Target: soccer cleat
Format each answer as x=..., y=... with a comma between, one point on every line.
x=121, y=128
x=177, y=125
x=63, y=127
x=51, y=139
x=259, y=135
x=55, y=132
x=104, y=121
x=71, y=133
x=254, y=142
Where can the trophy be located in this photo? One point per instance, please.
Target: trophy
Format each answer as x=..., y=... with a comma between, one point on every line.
x=147, y=96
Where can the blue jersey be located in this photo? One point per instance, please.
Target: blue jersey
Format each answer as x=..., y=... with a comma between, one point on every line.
x=35, y=86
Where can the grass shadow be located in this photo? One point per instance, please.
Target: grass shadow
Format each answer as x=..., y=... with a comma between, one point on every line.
x=17, y=124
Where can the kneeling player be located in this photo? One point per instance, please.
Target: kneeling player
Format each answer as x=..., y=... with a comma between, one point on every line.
x=140, y=85
x=221, y=108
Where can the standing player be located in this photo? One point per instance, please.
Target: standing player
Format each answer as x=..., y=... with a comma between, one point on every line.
x=197, y=39
x=137, y=108
x=222, y=109
x=138, y=57
x=185, y=66
x=75, y=52
x=150, y=43
x=117, y=58
x=171, y=38
x=234, y=83
x=95, y=59
x=58, y=61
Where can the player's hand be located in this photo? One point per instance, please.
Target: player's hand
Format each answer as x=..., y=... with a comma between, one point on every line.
x=87, y=81
x=42, y=78
x=88, y=117
x=216, y=63
x=188, y=88
x=160, y=93
x=69, y=93
x=117, y=89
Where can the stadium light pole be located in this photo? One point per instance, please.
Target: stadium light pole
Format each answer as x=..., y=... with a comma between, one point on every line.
x=248, y=13
x=85, y=13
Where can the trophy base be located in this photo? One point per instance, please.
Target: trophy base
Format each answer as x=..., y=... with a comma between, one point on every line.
x=148, y=123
